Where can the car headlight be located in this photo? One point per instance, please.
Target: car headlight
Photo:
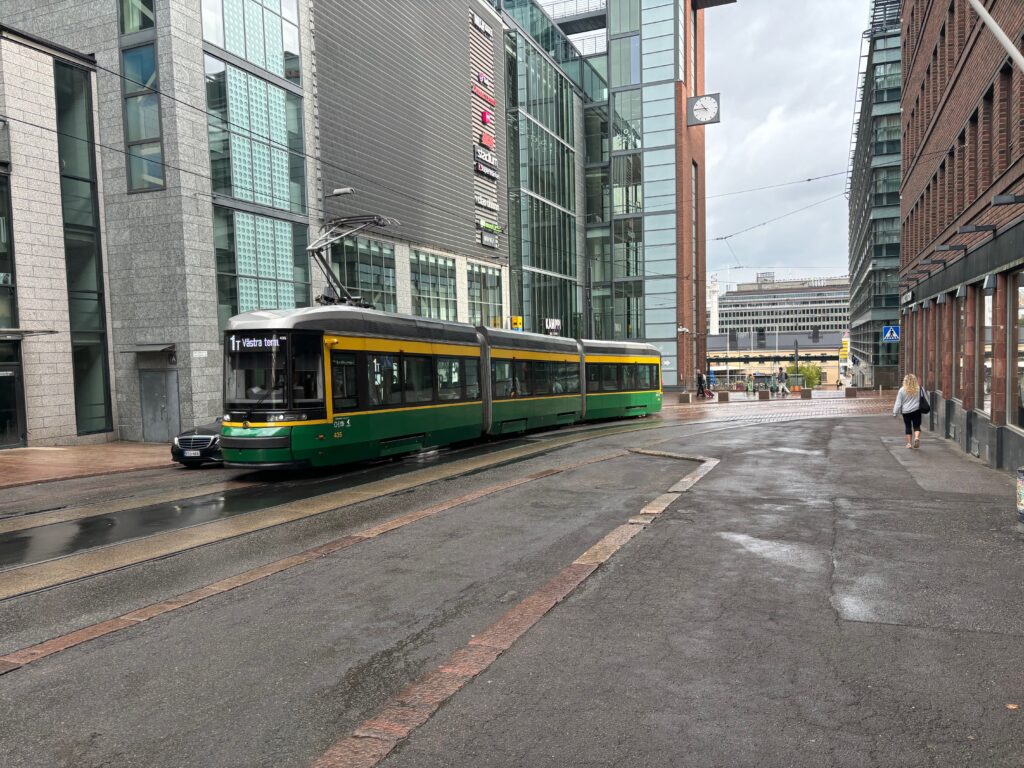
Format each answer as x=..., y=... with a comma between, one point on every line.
x=176, y=443
x=216, y=440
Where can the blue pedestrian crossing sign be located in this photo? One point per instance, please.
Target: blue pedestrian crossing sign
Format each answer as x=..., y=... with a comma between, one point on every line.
x=890, y=333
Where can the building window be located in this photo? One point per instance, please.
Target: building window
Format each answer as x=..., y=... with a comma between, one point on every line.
x=625, y=16
x=256, y=143
x=624, y=61
x=263, y=32
x=8, y=293
x=627, y=125
x=485, y=303
x=142, y=119
x=627, y=184
x=82, y=254
x=693, y=52
x=959, y=331
x=367, y=268
x=888, y=78
x=433, y=286
x=136, y=15
x=261, y=263
x=887, y=186
x=1015, y=387
x=887, y=135
x=983, y=352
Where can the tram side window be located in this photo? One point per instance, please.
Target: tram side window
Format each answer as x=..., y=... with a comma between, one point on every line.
x=501, y=378
x=307, y=371
x=644, y=377
x=472, y=379
x=609, y=377
x=520, y=378
x=655, y=377
x=449, y=379
x=569, y=377
x=543, y=374
x=385, y=384
x=629, y=377
x=593, y=377
x=419, y=379
x=343, y=381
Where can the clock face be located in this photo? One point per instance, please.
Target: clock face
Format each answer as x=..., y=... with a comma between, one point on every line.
x=705, y=108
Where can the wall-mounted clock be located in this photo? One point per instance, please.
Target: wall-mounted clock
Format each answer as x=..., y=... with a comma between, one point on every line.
x=701, y=110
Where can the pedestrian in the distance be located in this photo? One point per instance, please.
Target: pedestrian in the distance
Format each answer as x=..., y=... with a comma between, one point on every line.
x=750, y=387
x=908, y=403
x=700, y=384
x=783, y=382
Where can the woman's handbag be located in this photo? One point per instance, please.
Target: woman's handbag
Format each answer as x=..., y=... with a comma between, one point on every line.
x=925, y=406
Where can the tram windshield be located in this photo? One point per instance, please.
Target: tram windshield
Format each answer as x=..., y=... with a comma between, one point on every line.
x=272, y=371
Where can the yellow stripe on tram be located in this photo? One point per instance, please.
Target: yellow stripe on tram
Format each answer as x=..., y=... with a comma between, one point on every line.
x=363, y=344
x=618, y=359
x=520, y=354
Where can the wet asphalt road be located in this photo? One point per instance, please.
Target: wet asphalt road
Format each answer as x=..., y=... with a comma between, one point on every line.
x=819, y=599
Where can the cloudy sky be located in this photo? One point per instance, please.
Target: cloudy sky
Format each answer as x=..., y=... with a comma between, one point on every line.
x=787, y=72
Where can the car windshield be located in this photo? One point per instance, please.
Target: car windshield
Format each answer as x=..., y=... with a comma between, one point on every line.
x=255, y=370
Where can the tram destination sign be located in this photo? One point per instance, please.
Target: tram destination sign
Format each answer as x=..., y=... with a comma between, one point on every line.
x=253, y=343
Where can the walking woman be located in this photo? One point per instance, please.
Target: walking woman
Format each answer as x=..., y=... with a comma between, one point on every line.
x=908, y=403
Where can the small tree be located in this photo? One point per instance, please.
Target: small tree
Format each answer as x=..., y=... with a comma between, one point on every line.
x=810, y=372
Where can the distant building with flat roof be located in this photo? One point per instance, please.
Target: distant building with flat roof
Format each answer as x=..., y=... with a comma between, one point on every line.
x=786, y=306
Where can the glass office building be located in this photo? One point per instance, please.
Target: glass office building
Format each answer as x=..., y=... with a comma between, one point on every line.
x=642, y=267
x=874, y=193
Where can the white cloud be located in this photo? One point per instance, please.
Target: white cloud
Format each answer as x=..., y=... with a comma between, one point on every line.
x=787, y=72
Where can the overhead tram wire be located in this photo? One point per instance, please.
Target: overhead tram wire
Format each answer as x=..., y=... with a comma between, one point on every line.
x=777, y=218
x=239, y=129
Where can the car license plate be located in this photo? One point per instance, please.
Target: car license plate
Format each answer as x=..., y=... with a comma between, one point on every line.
x=191, y=453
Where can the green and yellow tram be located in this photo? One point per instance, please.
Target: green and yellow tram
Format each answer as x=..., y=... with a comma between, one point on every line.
x=338, y=384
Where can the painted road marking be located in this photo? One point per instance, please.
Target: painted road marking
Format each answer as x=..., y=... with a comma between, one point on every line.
x=11, y=661
x=51, y=573
x=375, y=738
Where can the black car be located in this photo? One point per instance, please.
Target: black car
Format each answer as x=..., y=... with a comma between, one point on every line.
x=197, y=446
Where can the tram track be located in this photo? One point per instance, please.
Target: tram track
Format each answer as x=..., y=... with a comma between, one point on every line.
x=54, y=572
x=27, y=655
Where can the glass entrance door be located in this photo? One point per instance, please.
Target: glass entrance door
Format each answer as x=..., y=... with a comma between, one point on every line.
x=12, y=403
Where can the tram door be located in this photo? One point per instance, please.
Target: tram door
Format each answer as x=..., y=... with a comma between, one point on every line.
x=12, y=401
x=159, y=394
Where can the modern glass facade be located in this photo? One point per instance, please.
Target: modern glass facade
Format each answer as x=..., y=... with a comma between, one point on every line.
x=257, y=161
x=367, y=268
x=485, y=300
x=433, y=286
x=875, y=215
x=542, y=188
x=82, y=254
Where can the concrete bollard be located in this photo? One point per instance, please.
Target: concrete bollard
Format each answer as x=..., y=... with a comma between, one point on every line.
x=1020, y=500
x=805, y=394
x=685, y=397
x=851, y=391
x=764, y=394
x=723, y=396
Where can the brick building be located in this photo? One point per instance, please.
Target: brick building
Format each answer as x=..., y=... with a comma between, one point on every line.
x=962, y=284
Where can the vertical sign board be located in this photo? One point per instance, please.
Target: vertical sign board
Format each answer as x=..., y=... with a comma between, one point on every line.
x=485, y=157
x=517, y=323
x=890, y=334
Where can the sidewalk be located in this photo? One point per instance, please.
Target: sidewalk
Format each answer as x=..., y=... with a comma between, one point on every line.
x=24, y=466
x=824, y=597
